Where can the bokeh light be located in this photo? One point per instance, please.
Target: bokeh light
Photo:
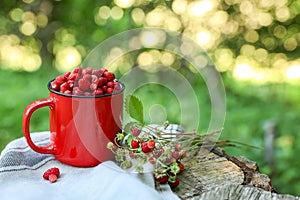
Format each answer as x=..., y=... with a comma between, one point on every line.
x=290, y=44
x=244, y=71
x=282, y=14
x=16, y=14
x=124, y=3
x=167, y=59
x=242, y=35
x=224, y=59
x=203, y=38
x=179, y=6
x=28, y=28
x=41, y=20
x=116, y=13
x=200, y=8
x=152, y=38
x=138, y=16
x=156, y=17
x=104, y=12
x=16, y=56
x=67, y=58
x=293, y=72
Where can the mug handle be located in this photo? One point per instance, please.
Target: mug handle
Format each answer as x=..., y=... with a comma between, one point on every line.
x=26, y=123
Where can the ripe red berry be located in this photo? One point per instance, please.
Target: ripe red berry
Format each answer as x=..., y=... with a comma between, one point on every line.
x=77, y=91
x=78, y=70
x=170, y=160
x=83, y=84
x=104, y=88
x=98, y=92
x=176, y=155
x=162, y=179
x=53, y=170
x=145, y=147
x=99, y=83
x=52, y=178
x=71, y=83
x=97, y=72
x=73, y=76
x=87, y=77
x=109, y=90
x=174, y=184
x=110, y=84
x=67, y=74
x=136, y=131
x=63, y=87
x=103, y=81
x=109, y=75
x=178, y=147
x=152, y=160
x=60, y=79
x=117, y=86
x=93, y=86
x=151, y=144
x=181, y=166
x=87, y=70
x=135, y=144
x=55, y=86
x=94, y=79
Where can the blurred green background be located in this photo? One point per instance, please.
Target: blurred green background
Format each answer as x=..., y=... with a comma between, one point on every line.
x=254, y=45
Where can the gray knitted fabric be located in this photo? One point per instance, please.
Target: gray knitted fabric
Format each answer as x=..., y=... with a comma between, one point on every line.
x=18, y=155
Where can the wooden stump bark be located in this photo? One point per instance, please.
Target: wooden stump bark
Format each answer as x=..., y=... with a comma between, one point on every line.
x=216, y=175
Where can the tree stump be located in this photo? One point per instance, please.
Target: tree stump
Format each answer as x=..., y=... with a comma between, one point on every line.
x=216, y=175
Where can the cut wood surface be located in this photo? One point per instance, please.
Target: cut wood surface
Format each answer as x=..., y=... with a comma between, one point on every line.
x=214, y=175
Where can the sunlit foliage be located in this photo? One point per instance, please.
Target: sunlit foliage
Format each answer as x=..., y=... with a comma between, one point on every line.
x=253, y=40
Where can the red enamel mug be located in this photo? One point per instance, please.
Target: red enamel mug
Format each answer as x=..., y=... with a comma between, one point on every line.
x=80, y=126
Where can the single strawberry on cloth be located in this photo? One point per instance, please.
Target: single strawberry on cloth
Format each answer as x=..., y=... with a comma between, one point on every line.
x=21, y=177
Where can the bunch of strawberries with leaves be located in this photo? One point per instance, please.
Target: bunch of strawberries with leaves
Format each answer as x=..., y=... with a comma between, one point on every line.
x=140, y=144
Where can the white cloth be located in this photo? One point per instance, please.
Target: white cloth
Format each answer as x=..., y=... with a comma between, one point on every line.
x=21, y=177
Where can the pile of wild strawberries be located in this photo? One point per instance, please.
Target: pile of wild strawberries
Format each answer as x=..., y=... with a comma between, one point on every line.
x=165, y=157
x=52, y=174
x=86, y=82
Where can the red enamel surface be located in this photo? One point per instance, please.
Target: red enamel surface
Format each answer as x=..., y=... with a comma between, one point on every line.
x=80, y=128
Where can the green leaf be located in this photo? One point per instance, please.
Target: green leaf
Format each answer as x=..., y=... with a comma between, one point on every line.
x=129, y=139
x=174, y=168
x=134, y=108
x=120, y=136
